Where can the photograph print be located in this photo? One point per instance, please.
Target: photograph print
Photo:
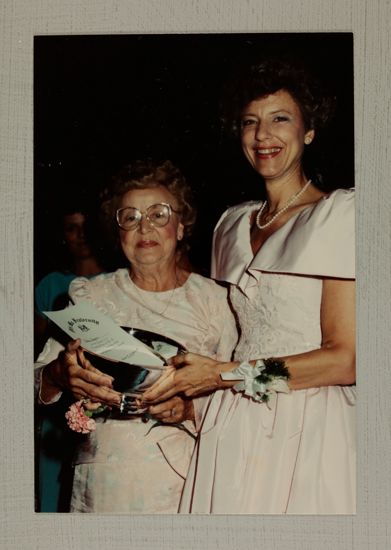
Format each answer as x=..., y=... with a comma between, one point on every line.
x=194, y=274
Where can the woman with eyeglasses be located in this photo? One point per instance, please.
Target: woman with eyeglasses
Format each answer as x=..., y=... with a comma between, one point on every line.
x=124, y=466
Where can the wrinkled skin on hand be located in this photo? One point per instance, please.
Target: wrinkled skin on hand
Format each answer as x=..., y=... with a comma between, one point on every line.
x=73, y=372
x=175, y=409
x=190, y=375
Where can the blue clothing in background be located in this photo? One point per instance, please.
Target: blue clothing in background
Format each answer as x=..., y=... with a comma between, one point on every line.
x=54, y=441
x=51, y=292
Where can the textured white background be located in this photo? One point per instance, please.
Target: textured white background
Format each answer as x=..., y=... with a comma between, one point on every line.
x=370, y=21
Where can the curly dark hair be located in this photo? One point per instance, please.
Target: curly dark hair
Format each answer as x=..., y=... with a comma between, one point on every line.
x=267, y=77
x=144, y=174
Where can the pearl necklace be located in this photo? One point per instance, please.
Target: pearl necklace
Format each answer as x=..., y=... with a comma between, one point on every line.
x=279, y=212
x=153, y=310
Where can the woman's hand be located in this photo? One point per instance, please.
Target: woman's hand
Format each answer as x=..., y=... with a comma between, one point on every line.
x=190, y=375
x=72, y=371
x=173, y=410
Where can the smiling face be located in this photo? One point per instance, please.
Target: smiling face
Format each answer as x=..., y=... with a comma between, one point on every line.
x=273, y=135
x=147, y=245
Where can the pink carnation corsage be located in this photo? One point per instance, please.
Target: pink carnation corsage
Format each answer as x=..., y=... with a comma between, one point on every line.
x=79, y=419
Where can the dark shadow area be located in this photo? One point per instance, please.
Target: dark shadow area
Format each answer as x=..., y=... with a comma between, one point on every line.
x=102, y=101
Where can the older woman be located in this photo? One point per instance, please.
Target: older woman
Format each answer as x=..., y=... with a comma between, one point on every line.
x=125, y=466
x=279, y=433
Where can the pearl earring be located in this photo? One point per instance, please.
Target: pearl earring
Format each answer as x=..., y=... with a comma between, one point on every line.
x=307, y=140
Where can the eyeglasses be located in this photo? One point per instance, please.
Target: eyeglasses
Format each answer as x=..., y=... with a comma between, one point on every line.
x=158, y=215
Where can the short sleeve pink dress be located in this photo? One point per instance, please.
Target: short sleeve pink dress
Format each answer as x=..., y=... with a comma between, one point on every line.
x=298, y=456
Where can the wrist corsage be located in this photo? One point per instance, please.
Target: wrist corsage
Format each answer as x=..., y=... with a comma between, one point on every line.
x=80, y=419
x=268, y=376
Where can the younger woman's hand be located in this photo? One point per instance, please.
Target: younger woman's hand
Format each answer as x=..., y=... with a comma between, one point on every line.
x=190, y=375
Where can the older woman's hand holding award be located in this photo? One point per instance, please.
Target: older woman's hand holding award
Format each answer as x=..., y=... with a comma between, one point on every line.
x=72, y=371
x=191, y=375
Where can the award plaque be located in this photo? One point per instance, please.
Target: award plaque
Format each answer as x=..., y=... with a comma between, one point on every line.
x=135, y=358
x=131, y=379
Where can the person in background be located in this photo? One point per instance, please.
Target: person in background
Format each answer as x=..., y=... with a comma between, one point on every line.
x=74, y=250
x=76, y=257
x=129, y=465
x=279, y=434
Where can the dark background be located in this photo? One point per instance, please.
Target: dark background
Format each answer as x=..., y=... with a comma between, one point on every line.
x=102, y=101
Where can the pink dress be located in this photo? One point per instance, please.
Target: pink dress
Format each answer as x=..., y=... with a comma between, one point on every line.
x=298, y=456
x=124, y=466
